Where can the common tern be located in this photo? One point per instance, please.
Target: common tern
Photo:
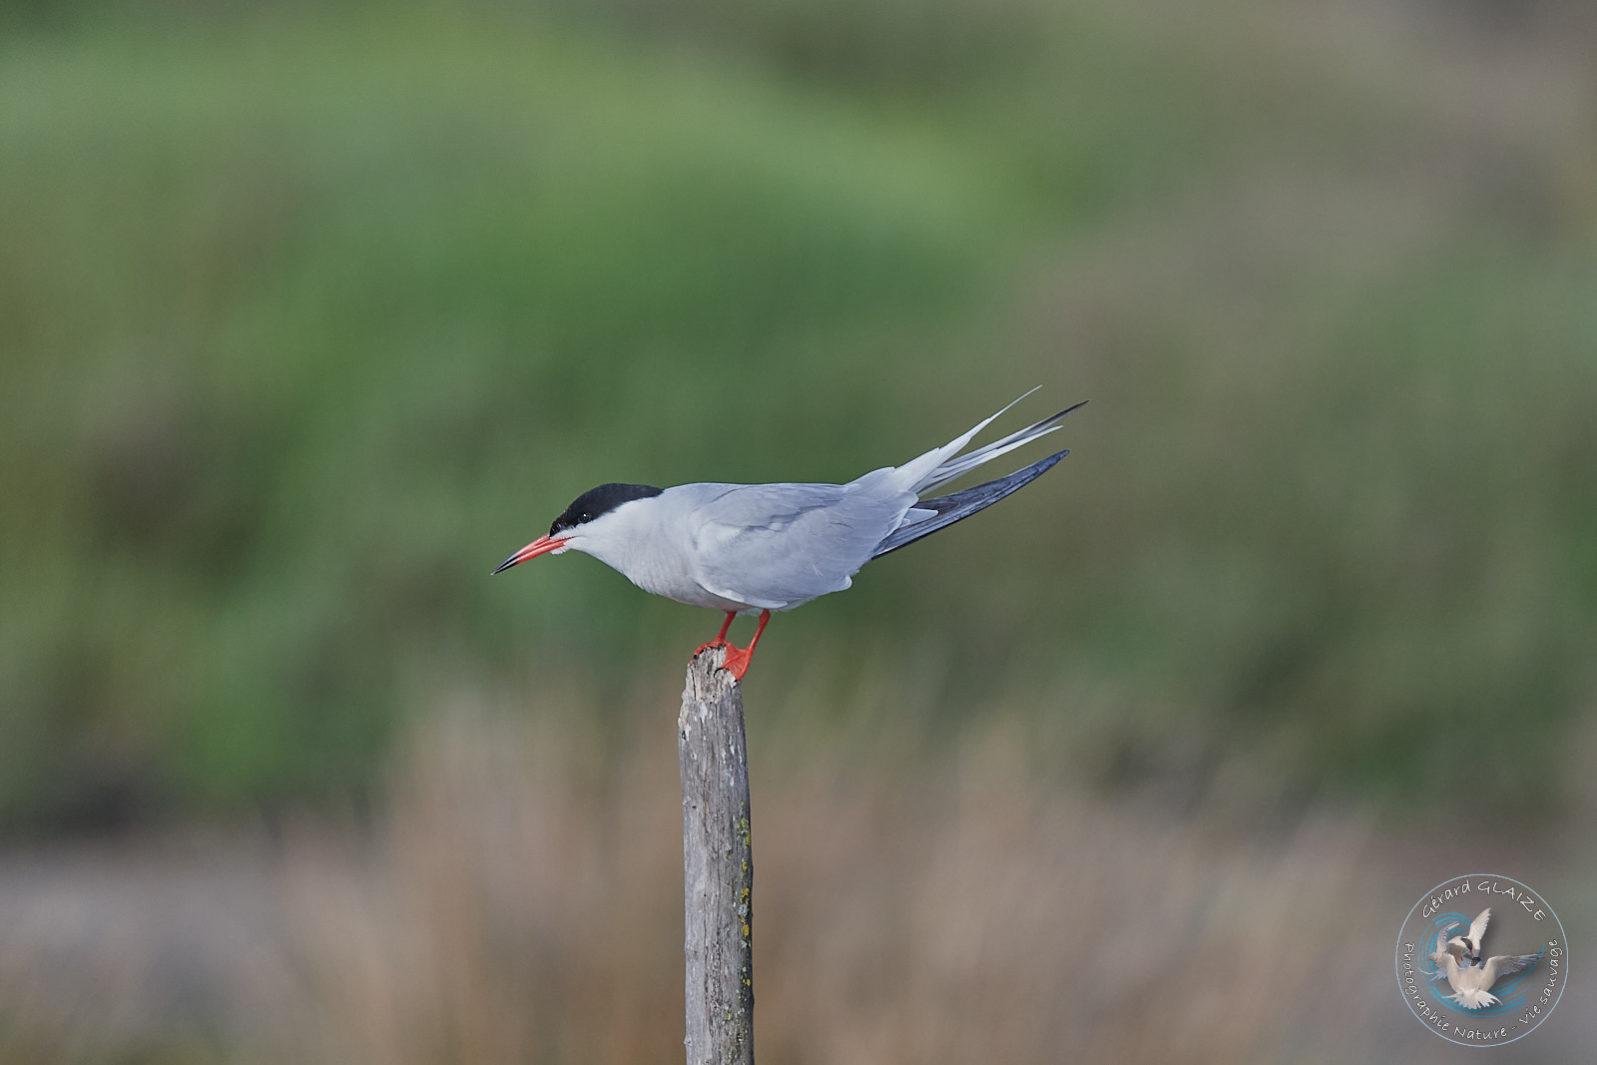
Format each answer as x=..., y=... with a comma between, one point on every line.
x=1470, y=942
x=755, y=548
x=1468, y=973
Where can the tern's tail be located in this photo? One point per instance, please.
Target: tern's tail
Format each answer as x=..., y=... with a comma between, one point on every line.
x=943, y=464
x=951, y=467
x=1473, y=1000
x=929, y=515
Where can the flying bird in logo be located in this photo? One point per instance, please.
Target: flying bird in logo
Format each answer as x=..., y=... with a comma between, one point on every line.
x=1470, y=943
x=1471, y=976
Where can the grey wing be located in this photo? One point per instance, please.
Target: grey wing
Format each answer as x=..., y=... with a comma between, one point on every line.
x=1507, y=965
x=1477, y=928
x=1444, y=947
x=778, y=545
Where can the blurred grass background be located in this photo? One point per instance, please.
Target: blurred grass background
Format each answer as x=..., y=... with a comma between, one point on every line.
x=311, y=313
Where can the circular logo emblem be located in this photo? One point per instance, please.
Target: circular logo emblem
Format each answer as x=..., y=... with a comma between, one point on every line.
x=1482, y=959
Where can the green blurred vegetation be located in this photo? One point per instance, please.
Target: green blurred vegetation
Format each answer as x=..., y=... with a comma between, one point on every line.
x=309, y=316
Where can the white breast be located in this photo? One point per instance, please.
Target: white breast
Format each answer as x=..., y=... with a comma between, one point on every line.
x=643, y=541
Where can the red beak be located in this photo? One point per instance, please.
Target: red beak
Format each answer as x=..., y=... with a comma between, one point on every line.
x=541, y=546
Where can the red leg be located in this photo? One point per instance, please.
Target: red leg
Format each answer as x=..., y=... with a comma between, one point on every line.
x=720, y=637
x=737, y=658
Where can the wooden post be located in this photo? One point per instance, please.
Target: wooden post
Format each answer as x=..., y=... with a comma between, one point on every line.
x=717, y=866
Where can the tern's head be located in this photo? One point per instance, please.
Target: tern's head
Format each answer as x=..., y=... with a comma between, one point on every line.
x=586, y=518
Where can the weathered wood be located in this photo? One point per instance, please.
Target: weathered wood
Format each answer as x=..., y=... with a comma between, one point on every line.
x=717, y=866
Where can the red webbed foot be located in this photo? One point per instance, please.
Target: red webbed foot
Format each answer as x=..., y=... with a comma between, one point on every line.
x=720, y=637
x=737, y=658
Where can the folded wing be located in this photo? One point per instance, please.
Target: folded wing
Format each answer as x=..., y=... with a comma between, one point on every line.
x=777, y=545
x=774, y=546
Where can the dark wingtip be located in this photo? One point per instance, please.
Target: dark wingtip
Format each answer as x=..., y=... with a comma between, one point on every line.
x=957, y=506
x=1055, y=419
x=1040, y=467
